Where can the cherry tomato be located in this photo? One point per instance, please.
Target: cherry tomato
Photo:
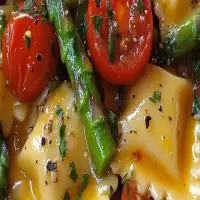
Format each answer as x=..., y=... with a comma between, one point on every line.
x=30, y=55
x=119, y=38
x=130, y=191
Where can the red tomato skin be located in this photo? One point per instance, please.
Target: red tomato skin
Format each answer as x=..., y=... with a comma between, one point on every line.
x=27, y=74
x=120, y=73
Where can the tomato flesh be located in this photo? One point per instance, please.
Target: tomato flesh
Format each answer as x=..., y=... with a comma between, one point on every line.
x=28, y=70
x=133, y=43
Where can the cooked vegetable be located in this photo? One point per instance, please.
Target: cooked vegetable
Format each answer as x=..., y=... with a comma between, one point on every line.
x=80, y=20
x=2, y=22
x=195, y=67
x=4, y=165
x=99, y=139
x=30, y=52
x=180, y=40
x=121, y=44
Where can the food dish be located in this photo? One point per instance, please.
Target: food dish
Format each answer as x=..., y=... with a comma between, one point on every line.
x=99, y=100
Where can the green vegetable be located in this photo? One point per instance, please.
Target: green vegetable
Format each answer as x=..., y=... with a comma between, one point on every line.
x=81, y=21
x=62, y=145
x=99, y=139
x=97, y=21
x=3, y=22
x=111, y=45
x=180, y=40
x=140, y=6
x=84, y=184
x=194, y=60
x=27, y=41
x=67, y=197
x=156, y=97
x=113, y=122
x=112, y=33
x=4, y=166
x=59, y=111
x=73, y=175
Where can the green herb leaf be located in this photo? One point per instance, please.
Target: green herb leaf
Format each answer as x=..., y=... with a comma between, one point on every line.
x=67, y=197
x=3, y=22
x=27, y=41
x=156, y=97
x=28, y=5
x=113, y=122
x=73, y=175
x=63, y=144
x=97, y=21
x=59, y=111
x=111, y=42
x=140, y=6
x=84, y=184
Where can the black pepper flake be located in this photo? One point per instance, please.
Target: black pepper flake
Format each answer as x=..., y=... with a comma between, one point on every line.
x=43, y=141
x=39, y=57
x=160, y=109
x=50, y=141
x=133, y=96
x=170, y=119
x=25, y=147
x=160, y=85
x=147, y=121
x=36, y=161
x=51, y=166
x=46, y=183
x=131, y=131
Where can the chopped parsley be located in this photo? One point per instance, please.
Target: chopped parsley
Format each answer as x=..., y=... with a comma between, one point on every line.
x=28, y=5
x=84, y=184
x=27, y=41
x=156, y=97
x=140, y=6
x=63, y=144
x=59, y=111
x=34, y=10
x=3, y=22
x=97, y=21
x=113, y=122
x=73, y=175
x=67, y=197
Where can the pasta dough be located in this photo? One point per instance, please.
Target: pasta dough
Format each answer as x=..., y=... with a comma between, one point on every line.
x=42, y=147
x=152, y=148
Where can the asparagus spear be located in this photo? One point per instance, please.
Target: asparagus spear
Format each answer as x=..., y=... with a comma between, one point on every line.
x=179, y=41
x=4, y=165
x=97, y=131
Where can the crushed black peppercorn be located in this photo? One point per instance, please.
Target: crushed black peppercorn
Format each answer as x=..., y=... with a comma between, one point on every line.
x=160, y=109
x=51, y=166
x=43, y=141
x=39, y=57
x=147, y=121
x=170, y=118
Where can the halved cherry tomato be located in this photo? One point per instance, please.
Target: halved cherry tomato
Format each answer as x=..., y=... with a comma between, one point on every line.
x=130, y=191
x=130, y=24
x=30, y=55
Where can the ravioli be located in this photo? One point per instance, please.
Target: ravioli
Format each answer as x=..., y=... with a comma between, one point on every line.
x=156, y=135
x=42, y=148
